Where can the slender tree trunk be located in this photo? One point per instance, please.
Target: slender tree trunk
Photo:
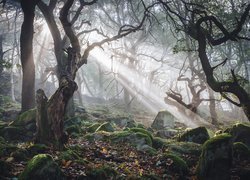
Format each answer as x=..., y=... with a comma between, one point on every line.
x=28, y=66
x=212, y=107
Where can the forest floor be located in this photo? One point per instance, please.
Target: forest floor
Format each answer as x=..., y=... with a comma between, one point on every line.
x=125, y=150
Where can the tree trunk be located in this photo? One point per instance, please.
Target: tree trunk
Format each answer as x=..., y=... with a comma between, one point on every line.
x=50, y=113
x=212, y=107
x=28, y=67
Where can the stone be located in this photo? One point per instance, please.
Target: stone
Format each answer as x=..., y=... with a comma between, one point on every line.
x=25, y=118
x=35, y=149
x=241, y=151
x=20, y=155
x=163, y=120
x=158, y=143
x=105, y=127
x=166, y=133
x=197, y=135
x=240, y=133
x=216, y=158
x=41, y=167
x=92, y=128
x=13, y=133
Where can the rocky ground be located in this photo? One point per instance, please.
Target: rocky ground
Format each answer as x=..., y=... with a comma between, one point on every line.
x=104, y=144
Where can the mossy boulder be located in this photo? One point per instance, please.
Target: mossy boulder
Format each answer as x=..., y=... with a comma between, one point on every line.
x=20, y=155
x=166, y=133
x=13, y=133
x=41, y=167
x=240, y=133
x=97, y=136
x=136, y=139
x=72, y=121
x=163, y=120
x=216, y=158
x=105, y=127
x=73, y=129
x=92, y=128
x=241, y=151
x=158, y=143
x=197, y=135
x=102, y=173
x=141, y=130
x=35, y=149
x=6, y=148
x=175, y=164
x=68, y=155
x=25, y=118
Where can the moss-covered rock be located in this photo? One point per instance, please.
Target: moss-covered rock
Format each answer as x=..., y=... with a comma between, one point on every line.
x=72, y=121
x=20, y=155
x=35, y=149
x=25, y=118
x=240, y=133
x=68, y=155
x=101, y=173
x=137, y=139
x=175, y=164
x=41, y=167
x=241, y=151
x=216, y=158
x=105, y=127
x=96, y=136
x=6, y=148
x=73, y=129
x=197, y=135
x=158, y=143
x=166, y=133
x=141, y=130
x=13, y=133
x=92, y=128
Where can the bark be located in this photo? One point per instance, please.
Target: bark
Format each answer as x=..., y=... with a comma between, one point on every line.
x=28, y=66
x=212, y=107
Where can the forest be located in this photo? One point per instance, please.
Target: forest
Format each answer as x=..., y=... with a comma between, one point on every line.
x=124, y=89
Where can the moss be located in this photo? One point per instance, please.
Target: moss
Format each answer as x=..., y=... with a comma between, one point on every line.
x=141, y=126
x=20, y=155
x=158, y=143
x=105, y=127
x=141, y=130
x=92, y=128
x=41, y=167
x=25, y=118
x=100, y=135
x=102, y=173
x=176, y=164
x=197, y=135
x=241, y=151
x=37, y=149
x=216, y=158
x=69, y=155
x=188, y=148
x=73, y=129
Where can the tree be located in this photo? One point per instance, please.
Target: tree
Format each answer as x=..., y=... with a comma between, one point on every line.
x=28, y=66
x=51, y=111
x=213, y=30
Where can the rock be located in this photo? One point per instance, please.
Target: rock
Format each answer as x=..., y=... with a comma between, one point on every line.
x=175, y=164
x=240, y=133
x=92, y=128
x=105, y=127
x=137, y=139
x=166, y=133
x=41, y=167
x=25, y=118
x=101, y=173
x=241, y=151
x=68, y=155
x=96, y=136
x=13, y=133
x=216, y=158
x=72, y=121
x=73, y=129
x=158, y=143
x=197, y=135
x=37, y=149
x=162, y=120
x=20, y=155
x=143, y=131
x=121, y=121
x=6, y=148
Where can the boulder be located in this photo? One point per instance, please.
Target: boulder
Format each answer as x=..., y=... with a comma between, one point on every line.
x=241, y=151
x=216, y=158
x=13, y=133
x=35, y=149
x=197, y=135
x=41, y=167
x=92, y=128
x=163, y=120
x=20, y=155
x=174, y=163
x=121, y=121
x=25, y=118
x=240, y=133
x=166, y=133
x=105, y=127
